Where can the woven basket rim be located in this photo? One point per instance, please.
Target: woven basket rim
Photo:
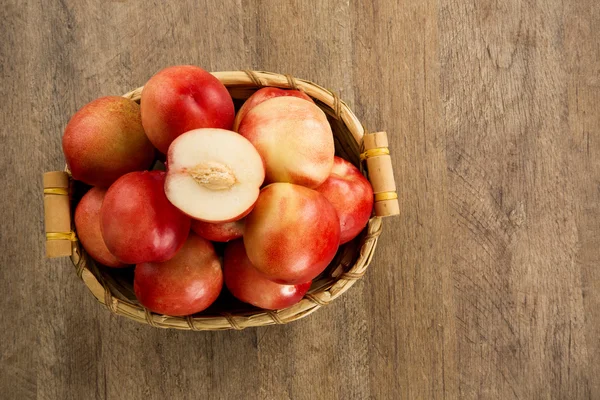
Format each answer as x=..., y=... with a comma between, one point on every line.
x=312, y=301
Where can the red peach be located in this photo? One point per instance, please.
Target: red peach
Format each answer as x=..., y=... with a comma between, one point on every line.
x=181, y=98
x=352, y=196
x=219, y=232
x=262, y=95
x=294, y=139
x=186, y=284
x=248, y=285
x=292, y=233
x=87, y=222
x=105, y=140
x=139, y=224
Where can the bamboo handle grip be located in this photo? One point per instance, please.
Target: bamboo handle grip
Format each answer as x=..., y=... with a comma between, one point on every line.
x=57, y=215
x=381, y=174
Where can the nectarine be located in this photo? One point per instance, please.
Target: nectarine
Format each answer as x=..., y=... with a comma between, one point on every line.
x=138, y=222
x=293, y=137
x=248, y=285
x=87, y=222
x=186, y=284
x=105, y=140
x=219, y=232
x=292, y=233
x=181, y=98
x=262, y=95
x=352, y=196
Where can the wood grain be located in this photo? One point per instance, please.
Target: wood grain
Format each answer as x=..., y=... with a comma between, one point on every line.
x=487, y=285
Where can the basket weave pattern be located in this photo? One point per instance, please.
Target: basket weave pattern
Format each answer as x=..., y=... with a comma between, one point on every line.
x=348, y=266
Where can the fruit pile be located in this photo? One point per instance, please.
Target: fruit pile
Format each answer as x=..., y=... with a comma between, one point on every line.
x=265, y=180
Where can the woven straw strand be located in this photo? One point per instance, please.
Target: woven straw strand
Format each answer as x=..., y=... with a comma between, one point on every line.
x=349, y=276
x=109, y=300
x=337, y=106
x=316, y=299
x=190, y=322
x=254, y=78
x=275, y=317
x=149, y=318
x=291, y=82
x=232, y=322
x=80, y=266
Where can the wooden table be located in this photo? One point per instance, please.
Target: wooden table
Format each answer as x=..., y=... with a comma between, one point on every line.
x=487, y=285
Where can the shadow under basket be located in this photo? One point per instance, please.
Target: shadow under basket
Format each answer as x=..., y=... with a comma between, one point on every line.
x=113, y=287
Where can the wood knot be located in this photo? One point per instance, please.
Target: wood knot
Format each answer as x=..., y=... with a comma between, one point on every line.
x=517, y=215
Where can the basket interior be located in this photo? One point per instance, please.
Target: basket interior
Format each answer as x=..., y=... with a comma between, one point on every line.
x=120, y=280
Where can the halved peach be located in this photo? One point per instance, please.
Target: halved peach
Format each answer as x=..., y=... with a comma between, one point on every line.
x=213, y=175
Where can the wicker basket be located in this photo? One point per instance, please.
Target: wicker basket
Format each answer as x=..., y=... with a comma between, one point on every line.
x=113, y=287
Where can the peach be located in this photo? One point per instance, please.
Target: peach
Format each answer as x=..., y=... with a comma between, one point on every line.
x=250, y=286
x=352, y=196
x=262, y=95
x=219, y=232
x=213, y=175
x=293, y=137
x=186, y=284
x=292, y=233
x=138, y=222
x=181, y=98
x=87, y=222
x=105, y=140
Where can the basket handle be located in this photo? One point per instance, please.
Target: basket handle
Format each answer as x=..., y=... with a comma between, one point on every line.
x=381, y=174
x=57, y=215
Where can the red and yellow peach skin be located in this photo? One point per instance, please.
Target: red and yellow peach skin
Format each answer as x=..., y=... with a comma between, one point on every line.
x=263, y=95
x=294, y=139
x=248, y=285
x=138, y=223
x=292, y=233
x=186, y=284
x=219, y=232
x=181, y=98
x=352, y=196
x=105, y=140
x=87, y=222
